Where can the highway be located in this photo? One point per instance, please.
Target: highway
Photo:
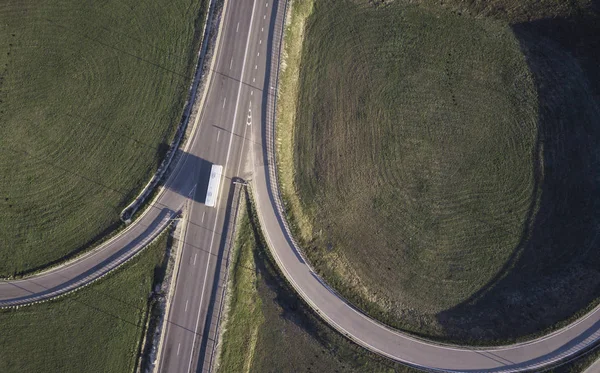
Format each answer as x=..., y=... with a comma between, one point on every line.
x=229, y=112
x=236, y=129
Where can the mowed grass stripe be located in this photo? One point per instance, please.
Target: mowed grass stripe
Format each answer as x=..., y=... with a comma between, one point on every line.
x=90, y=96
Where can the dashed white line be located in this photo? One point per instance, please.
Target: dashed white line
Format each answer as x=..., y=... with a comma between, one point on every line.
x=230, y=64
x=195, y=257
x=178, y=347
x=262, y=29
x=224, y=101
x=255, y=67
x=225, y=167
x=238, y=27
x=266, y=5
x=258, y=54
x=265, y=16
x=203, y=213
x=186, y=304
x=218, y=134
x=260, y=41
x=253, y=80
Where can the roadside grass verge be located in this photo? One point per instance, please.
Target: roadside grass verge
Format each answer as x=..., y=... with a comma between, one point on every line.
x=434, y=160
x=269, y=329
x=90, y=96
x=96, y=329
x=579, y=365
x=287, y=94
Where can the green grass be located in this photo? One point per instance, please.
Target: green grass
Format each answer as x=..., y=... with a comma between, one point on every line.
x=579, y=365
x=96, y=329
x=269, y=329
x=435, y=160
x=90, y=96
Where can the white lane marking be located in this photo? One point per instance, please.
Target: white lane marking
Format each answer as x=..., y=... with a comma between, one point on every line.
x=186, y=304
x=203, y=213
x=255, y=67
x=178, y=347
x=265, y=16
x=251, y=93
x=224, y=101
x=260, y=41
x=253, y=80
x=238, y=27
x=266, y=5
x=218, y=133
x=230, y=64
x=195, y=257
x=262, y=29
x=258, y=54
x=225, y=168
x=244, y=143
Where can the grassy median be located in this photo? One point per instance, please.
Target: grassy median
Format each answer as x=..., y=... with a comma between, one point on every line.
x=96, y=329
x=269, y=329
x=90, y=96
x=435, y=159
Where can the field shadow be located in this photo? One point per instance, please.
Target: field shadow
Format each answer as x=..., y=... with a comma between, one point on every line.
x=554, y=272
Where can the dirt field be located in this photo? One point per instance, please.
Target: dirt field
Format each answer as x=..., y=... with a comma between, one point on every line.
x=444, y=160
x=90, y=95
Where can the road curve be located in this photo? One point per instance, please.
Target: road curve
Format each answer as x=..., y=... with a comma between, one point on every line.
x=259, y=97
x=532, y=355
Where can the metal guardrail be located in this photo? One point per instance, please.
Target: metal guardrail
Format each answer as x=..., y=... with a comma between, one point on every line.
x=237, y=200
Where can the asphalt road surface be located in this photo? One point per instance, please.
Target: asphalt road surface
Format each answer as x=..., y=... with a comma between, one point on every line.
x=232, y=105
x=235, y=129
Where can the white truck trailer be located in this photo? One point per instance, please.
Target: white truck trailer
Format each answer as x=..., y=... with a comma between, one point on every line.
x=213, y=185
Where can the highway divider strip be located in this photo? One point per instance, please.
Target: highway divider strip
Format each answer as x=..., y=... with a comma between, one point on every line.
x=231, y=231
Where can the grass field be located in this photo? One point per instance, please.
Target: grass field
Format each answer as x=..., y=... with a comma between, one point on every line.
x=435, y=160
x=96, y=329
x=268, y=329
x=90, y=96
